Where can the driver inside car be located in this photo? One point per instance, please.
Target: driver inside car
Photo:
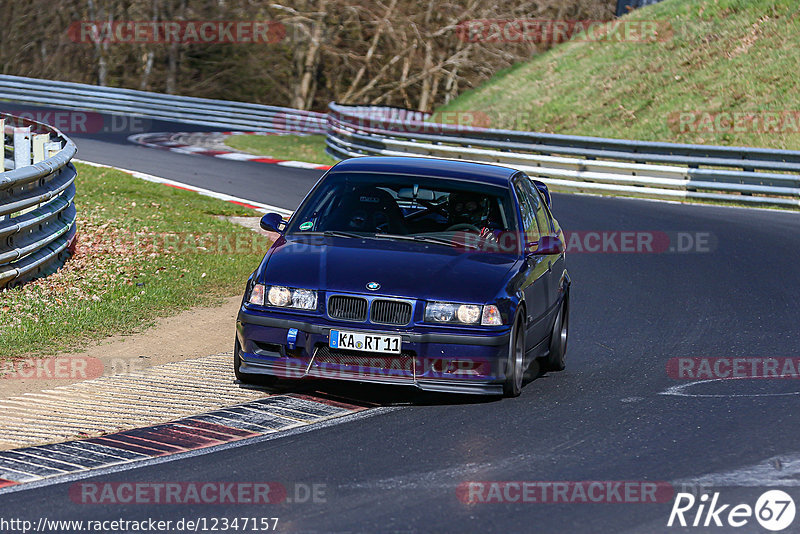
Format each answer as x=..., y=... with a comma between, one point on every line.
x=471, y=211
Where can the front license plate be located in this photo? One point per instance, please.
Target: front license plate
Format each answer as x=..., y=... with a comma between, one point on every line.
x=364, y=342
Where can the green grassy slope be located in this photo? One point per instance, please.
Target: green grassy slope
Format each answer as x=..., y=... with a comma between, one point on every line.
x=716, y=56
x=309, y=148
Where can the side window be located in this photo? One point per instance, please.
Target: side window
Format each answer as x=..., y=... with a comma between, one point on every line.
x=544, y=220
x=527, y=208
x=545, y=228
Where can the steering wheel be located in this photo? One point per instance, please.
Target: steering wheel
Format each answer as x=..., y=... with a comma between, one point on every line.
x=463, y=226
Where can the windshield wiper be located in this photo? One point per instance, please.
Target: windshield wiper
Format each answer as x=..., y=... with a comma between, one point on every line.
x=337, y=233
x=448, y=242
x=425, y=239
x=394, y=236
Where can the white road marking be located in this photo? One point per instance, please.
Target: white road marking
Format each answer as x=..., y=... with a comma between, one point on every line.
x=679, y=390
x=783, y=470
x=238, y=156
x=212, y=144
x=258, y=206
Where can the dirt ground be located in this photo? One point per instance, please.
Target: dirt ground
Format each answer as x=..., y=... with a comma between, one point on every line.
x=194, y=333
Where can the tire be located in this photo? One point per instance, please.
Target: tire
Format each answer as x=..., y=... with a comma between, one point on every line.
x=247, y=378
x=515, y=368
x=556, y=357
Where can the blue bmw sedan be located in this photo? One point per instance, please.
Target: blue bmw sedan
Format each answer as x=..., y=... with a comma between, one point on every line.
x=443, y=275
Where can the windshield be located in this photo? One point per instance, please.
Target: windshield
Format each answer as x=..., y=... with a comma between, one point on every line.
x=405, y=206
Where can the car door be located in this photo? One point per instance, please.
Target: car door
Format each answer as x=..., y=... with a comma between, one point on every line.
x=535, y=284
x=555, y=262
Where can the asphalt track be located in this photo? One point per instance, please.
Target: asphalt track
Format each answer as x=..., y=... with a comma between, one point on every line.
x=603, y=419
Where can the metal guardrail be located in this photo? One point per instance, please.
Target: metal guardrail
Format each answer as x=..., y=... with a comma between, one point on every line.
x=203, y=111
x=577, y=163
x=37, y=212
x=568, y=163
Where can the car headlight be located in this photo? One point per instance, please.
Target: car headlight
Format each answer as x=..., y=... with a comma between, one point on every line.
x=451, y=312
x=491, y=316
x=305, y=299
x=284, y=297
x=468, y=313
x=279, y=296
x=256, y=295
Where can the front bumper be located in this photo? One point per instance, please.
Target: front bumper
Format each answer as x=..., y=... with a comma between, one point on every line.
x=443, y=360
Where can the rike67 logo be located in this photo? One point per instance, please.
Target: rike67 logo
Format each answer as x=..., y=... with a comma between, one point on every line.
x=774, y=510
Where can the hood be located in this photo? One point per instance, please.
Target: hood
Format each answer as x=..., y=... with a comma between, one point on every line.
x=402, y=268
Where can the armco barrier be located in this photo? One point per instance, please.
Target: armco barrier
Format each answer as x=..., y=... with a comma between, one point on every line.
x=37, y=189
x=567, y=163
x=204, y=111
x=576, y=163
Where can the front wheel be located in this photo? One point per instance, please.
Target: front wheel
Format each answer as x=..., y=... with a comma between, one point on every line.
x=515, y=371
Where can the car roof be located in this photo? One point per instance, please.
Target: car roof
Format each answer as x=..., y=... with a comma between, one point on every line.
x=429, y=167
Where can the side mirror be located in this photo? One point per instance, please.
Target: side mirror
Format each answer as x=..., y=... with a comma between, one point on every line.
x=544, y=191
x=547, y=244
x=272, y=222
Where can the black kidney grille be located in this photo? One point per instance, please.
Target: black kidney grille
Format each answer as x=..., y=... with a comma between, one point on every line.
x=390, y=312
x=347, y=308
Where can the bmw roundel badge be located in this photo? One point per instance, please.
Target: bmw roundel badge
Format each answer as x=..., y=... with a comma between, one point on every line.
x=373, y=286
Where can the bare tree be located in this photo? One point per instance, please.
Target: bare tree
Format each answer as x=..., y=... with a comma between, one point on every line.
x=408, y=53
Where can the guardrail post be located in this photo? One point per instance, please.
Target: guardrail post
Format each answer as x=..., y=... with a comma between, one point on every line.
x=22, y=147
x=39, y=140
x=3, y=143
x=2, y=152
x=52, y=148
